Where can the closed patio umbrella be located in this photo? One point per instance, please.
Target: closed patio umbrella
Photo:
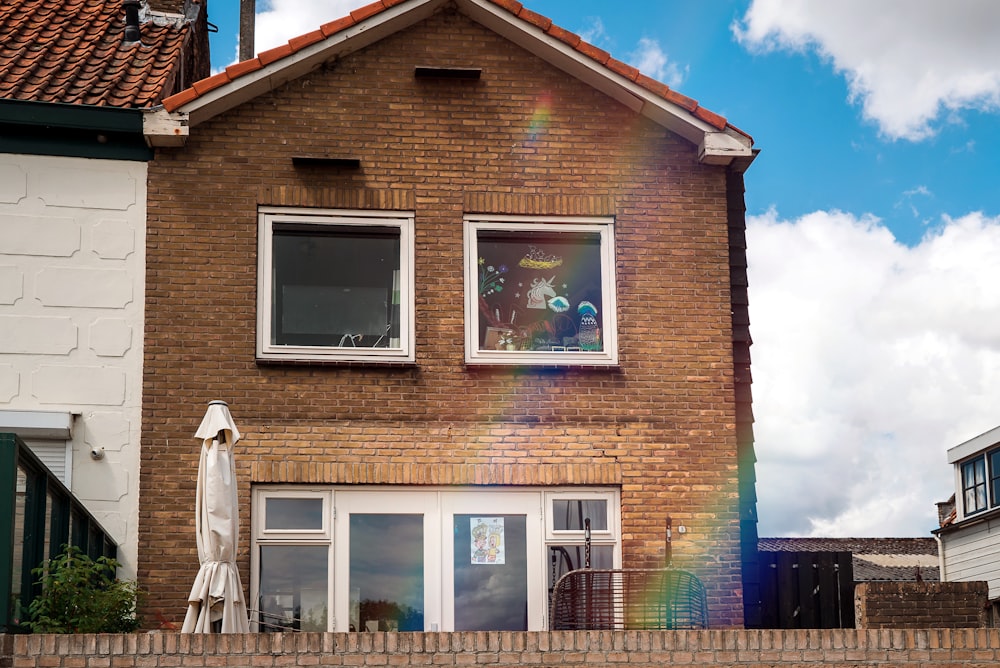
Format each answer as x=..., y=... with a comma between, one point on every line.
x=216, y=602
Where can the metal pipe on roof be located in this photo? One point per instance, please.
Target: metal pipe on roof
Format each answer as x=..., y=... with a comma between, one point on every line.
x=132, y=31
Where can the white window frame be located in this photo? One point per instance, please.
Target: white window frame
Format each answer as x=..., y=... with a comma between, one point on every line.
x=568, y=224
x=403, y=220
x=439, y=506
x=613, y=519
x=261, y=537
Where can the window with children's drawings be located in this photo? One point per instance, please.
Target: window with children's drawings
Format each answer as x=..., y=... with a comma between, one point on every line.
x=540, y=292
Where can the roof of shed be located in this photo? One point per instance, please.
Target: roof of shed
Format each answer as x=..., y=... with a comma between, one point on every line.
x=74, y=51
x=874, y=559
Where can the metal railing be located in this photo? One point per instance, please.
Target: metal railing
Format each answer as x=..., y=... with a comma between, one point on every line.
x=628, y=598
x=38, y=515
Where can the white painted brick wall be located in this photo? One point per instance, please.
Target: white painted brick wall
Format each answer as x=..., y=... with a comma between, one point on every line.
x=72, y=272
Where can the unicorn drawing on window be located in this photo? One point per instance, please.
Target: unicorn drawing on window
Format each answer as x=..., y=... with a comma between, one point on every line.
x=540, y=292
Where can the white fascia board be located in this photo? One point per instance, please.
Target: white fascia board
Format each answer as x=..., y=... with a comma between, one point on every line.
x=300, y=63
x=41, y=425
x=974, y=445
x=164, y=129
x=720, y=148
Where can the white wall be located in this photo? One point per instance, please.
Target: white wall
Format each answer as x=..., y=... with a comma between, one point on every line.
x=973, y=553
x=72, y=282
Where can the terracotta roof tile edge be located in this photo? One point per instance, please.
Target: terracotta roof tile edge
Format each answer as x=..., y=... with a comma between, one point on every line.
x=712, y=118
x=308, y=39
x=246, y=67
x=333, y=27
x=624, y=69
x=178, y=100
x=512, y=6
x=211, y=83
x=534, y=18
x=274, y=55
x=368, y=11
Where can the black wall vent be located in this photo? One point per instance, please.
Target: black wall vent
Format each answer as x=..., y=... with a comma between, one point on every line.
x=325, y=161
x=467, y=73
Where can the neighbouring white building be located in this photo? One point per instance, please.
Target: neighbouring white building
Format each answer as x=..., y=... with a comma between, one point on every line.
x=72, y=276
x=969, y=536
x=73, y=170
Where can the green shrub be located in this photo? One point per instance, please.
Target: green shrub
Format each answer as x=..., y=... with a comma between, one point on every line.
x=80, y=595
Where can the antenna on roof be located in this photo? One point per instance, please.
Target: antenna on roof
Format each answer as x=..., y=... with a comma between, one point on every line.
x=132, y=33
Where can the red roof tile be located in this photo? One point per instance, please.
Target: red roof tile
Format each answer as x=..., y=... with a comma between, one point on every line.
x=73, y=51
x=513, y=7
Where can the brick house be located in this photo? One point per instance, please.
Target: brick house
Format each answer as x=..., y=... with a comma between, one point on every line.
x=465, y=282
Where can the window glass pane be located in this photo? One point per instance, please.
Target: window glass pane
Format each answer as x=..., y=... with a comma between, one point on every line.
x=995, y=477
x=293, y=587
x=335, y=286
x=539, y=291
x=293, y=514
x=569, y=514
x=491, y=573
x=974, y=485
x=387, y=573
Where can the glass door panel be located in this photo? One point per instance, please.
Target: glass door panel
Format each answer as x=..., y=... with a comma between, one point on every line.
x=294, y=587
x=386, y=572
x=387, y=552
x=491, y=573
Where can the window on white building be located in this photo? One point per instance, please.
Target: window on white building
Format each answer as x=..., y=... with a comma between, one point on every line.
x=392, y=559
x=335, y=285
x=540, y=291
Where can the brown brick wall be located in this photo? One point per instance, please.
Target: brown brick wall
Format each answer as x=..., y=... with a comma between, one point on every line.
x=914, y=605
x=840, y=648
x=524, y=139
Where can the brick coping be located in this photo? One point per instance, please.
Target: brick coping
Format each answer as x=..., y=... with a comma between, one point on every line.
x=916, y=647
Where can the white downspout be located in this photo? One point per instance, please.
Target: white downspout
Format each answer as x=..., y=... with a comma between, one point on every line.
x=942, y=574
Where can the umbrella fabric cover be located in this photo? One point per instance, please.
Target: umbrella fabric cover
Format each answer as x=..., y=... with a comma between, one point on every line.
x=217, y=593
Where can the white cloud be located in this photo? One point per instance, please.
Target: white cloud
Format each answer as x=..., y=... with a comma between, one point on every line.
x=650, y=59
x=913, y=64
x=870, y=360
x=595, y=33
x=282, y=20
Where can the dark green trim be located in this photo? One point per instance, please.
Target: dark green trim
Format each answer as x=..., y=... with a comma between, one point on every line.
x=34, y=534
x=72, y=130
x=8, y=489
x=78, y=116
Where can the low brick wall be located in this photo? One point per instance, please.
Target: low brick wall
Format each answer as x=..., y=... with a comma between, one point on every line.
x=926, y=648
x=917, y=605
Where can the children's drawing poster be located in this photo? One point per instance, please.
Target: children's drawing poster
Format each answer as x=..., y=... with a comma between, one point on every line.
x=487, y=540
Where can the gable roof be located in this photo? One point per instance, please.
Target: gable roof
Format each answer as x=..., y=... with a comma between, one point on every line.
x=74, y=51
x=719, y=141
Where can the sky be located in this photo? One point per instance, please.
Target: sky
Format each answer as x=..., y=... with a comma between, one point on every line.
x=873, y=227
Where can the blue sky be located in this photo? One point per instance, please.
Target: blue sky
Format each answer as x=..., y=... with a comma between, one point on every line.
x=873, y=226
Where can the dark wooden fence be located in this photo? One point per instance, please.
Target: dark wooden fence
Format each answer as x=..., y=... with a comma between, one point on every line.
x=806, y=590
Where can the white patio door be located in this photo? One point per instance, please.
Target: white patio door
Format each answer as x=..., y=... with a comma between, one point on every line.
x=387, y=555
x=491, y=569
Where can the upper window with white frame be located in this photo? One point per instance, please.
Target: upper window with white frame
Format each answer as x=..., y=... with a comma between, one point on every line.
x=980, y=482
x=335, y=285
x=540, y=290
